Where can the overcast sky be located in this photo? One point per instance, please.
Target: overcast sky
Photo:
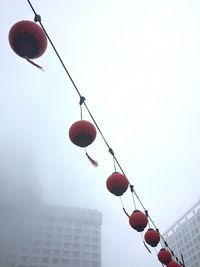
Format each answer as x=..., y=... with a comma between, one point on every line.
x=137, y=64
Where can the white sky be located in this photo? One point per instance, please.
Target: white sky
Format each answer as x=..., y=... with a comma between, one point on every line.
x=137, y=64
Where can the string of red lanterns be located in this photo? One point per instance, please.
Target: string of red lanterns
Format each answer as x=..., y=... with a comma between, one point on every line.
x=29, y=41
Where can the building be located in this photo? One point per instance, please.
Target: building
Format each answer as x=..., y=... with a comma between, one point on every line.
x=33, y=234
x=183, y=237
x=50, y=236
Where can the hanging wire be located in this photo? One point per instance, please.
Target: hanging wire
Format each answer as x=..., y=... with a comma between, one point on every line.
x=114, y=164
x=38, y=19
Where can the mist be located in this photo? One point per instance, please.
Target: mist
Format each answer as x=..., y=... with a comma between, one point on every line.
x=137, y=65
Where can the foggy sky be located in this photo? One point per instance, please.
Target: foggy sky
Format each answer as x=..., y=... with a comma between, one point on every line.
x=137, y=64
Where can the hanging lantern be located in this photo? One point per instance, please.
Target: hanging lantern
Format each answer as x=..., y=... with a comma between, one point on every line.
x=173, y=264
x=138, y=220
x=82, y=133
x=164, y=256
x=27, y=39
x=117, y=183
x=152, y=237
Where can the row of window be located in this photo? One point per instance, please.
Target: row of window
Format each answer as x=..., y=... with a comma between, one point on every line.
x=75, y=254
x=75, y=263
x=54, y=260
x=84, y=247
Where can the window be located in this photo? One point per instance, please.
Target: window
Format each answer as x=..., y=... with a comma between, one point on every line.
x=36, y=251
x=76, y=262
x=95, y=264
x=37, y=242
x=95, y=255
x=86, y=247
x=25, y=250
x=76, y=246
x=85, y=254
x=68, y=237
x=46, y=251
x=48, y=235
x=85, y=263
x=77, y=231
x=55, y=260
x=45, y=260
x=58, y=236
x=77, y=238
x=47, y=243
x=95, y=247
x=23, y=258
x=56, y=252
x=34, y=259
x=66, y=253
x=95, y=233
x=76, y=254
x=57, y=244
x=67, y=245
x=65, y=261
x=49, y=228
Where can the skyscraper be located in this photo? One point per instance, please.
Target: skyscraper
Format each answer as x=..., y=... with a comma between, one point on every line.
x=183, y=237
x=51, y=236
x=33, y=234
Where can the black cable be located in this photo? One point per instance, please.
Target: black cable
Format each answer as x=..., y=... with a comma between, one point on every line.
x=38, y=19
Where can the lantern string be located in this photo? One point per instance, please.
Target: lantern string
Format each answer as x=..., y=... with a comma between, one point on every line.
x=134, y=203
x=38, y=19
x=114, y=164
x=124, y=207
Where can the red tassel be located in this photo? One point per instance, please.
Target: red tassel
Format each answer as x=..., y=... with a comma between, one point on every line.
x=94, y=163
x=33, y=63
x=146, y=247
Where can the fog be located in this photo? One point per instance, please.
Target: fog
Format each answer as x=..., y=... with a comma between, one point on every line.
x=137, y=65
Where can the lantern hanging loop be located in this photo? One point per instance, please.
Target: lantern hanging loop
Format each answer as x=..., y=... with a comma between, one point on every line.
x=37, y=18
x=132, y=190
x=82, y=100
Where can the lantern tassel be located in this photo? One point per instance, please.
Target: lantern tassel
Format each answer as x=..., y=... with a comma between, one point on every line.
x=94, y=162
x=146, y=247
x=33, y=63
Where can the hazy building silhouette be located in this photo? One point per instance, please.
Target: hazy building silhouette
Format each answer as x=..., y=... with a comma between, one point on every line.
x=33, y=234
x=51, y=236
x=184, y=237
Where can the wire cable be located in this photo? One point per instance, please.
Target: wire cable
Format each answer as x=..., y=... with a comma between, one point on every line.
x=38, y=19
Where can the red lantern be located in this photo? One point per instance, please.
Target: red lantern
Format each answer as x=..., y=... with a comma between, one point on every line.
x=138, y=220
x=152, y=237
x=173, y=264
x=164, y=256
x=82, y=133
x=27, y=39
x=117, y=183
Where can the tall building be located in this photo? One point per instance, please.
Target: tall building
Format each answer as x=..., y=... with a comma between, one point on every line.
x=183, y=237
x=33, y=234
x=51, y=236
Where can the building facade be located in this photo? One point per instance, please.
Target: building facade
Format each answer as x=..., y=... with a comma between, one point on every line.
x=50, y=236
x=183, y=237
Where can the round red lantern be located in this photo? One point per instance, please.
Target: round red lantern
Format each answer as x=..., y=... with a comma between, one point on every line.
x=82, y=133
x=173, y=264
x=138, y=220
x=164, y=256
x=152, y=237
x=27, y=39
x=117, y=184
